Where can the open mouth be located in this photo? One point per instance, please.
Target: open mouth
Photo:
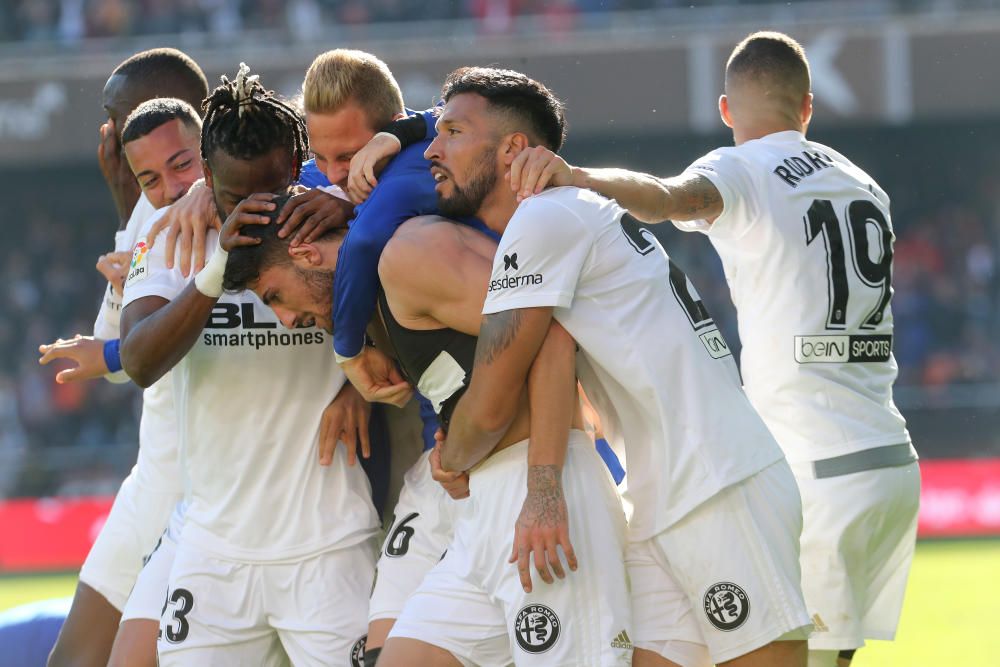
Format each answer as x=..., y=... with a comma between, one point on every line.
x=439, y=175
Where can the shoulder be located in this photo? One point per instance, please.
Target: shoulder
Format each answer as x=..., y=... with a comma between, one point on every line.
x=416, y=241
x=566, y=209
x=408, y=187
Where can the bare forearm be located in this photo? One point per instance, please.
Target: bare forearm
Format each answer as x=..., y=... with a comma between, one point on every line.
x=552, y=399
x=153, y=343
x=507, y=346
x=469, y=440
x=652, y=199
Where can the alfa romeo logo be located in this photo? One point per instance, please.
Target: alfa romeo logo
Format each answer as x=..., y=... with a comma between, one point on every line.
x=358, y=653
x=536, y=628
x=727, y=606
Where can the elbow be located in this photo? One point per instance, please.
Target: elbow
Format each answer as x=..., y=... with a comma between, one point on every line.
x=492, y=417
x=141, y=373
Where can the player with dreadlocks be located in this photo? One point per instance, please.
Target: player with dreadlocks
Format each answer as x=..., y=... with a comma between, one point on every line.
x=275, y=558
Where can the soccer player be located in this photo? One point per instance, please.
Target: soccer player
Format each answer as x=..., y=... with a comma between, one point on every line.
x=146, y=497
x=471, y=608
x=276, y=554
x=806, y=239
x=347, y=96
x=713, y=557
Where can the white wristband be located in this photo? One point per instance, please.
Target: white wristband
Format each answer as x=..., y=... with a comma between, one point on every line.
x=208, y=281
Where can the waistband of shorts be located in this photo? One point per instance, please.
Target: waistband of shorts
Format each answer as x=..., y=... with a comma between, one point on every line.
x=890, y=456
x=517, y=453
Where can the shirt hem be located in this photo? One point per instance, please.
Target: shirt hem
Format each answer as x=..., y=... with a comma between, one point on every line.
x=537, y=300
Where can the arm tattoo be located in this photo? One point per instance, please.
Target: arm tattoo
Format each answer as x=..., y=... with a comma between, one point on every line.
x=694, y=197
x=545, y=504
x=496, y=334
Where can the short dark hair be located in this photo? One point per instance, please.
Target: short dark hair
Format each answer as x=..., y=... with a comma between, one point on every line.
x=536, y=109
x=245, y=263
x=770, y=55
x=151, y=114
x=169, y=72
x=244, y=120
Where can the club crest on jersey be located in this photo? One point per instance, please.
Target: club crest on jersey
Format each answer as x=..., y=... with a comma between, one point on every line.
x=727, y=606
x=358, y=652
x=138, y=268
x=536, y=628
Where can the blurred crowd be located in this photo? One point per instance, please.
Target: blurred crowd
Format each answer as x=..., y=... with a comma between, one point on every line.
x=68, y=21
x=52, y=289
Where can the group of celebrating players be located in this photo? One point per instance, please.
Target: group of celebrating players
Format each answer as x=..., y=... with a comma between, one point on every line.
x=453, y=255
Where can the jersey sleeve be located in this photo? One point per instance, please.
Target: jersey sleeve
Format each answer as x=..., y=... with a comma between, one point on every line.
x=540, y=258
x=734, y=181
x=148, y=274
x=356, y=278
x=109, y=316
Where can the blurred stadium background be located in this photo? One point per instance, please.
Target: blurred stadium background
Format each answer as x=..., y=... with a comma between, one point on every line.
x=907, y=88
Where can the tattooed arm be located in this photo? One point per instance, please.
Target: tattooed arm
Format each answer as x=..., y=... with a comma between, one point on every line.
x=508, y=343
x=648, y=198
x=652, y=199
x=543, y=524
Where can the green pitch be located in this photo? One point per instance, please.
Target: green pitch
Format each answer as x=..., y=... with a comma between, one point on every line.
x=948, y=618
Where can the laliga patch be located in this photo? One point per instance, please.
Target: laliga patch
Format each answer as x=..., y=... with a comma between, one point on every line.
x=358, y=652
x=727, y=606
x=138, y=269
x=536, y=628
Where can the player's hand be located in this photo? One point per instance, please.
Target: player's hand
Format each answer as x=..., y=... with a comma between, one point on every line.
x=376, y=377
x=542, y=527
x=188, y=220
x=311, y=214
x=455, y=483
x=345, y=420
x=85, y=351
x=368, y=162
x=247, y=212
x=535, y=169
x=117, y=173
x=114, y=267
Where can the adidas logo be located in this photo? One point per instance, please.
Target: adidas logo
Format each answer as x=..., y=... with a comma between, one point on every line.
x=622, y=641
x=818, y=624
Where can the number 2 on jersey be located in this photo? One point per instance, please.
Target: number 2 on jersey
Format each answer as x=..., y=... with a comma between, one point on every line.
x=822, y=221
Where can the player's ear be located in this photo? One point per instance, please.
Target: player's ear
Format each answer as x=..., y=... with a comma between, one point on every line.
x=208, y=173
x=724, y=110
x=513, y=145
x=305, y=255
x=806, y=111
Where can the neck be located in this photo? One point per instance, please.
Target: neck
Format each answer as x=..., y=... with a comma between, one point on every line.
x=498, y=207
x=329, y=252
x=743, y=133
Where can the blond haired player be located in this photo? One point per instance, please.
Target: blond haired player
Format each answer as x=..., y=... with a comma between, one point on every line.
x=806, y=239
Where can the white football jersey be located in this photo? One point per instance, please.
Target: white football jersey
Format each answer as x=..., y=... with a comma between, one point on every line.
x=652, y=360
x=156, y=467
x=806, y=240
x=250, y=396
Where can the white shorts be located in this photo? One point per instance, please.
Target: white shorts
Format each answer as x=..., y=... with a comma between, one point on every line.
x=858, y=536
x=309, y=612
x=138, y=517
x=725, y=577
x=145, y=602
x=472, y=603
x=420, y=533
